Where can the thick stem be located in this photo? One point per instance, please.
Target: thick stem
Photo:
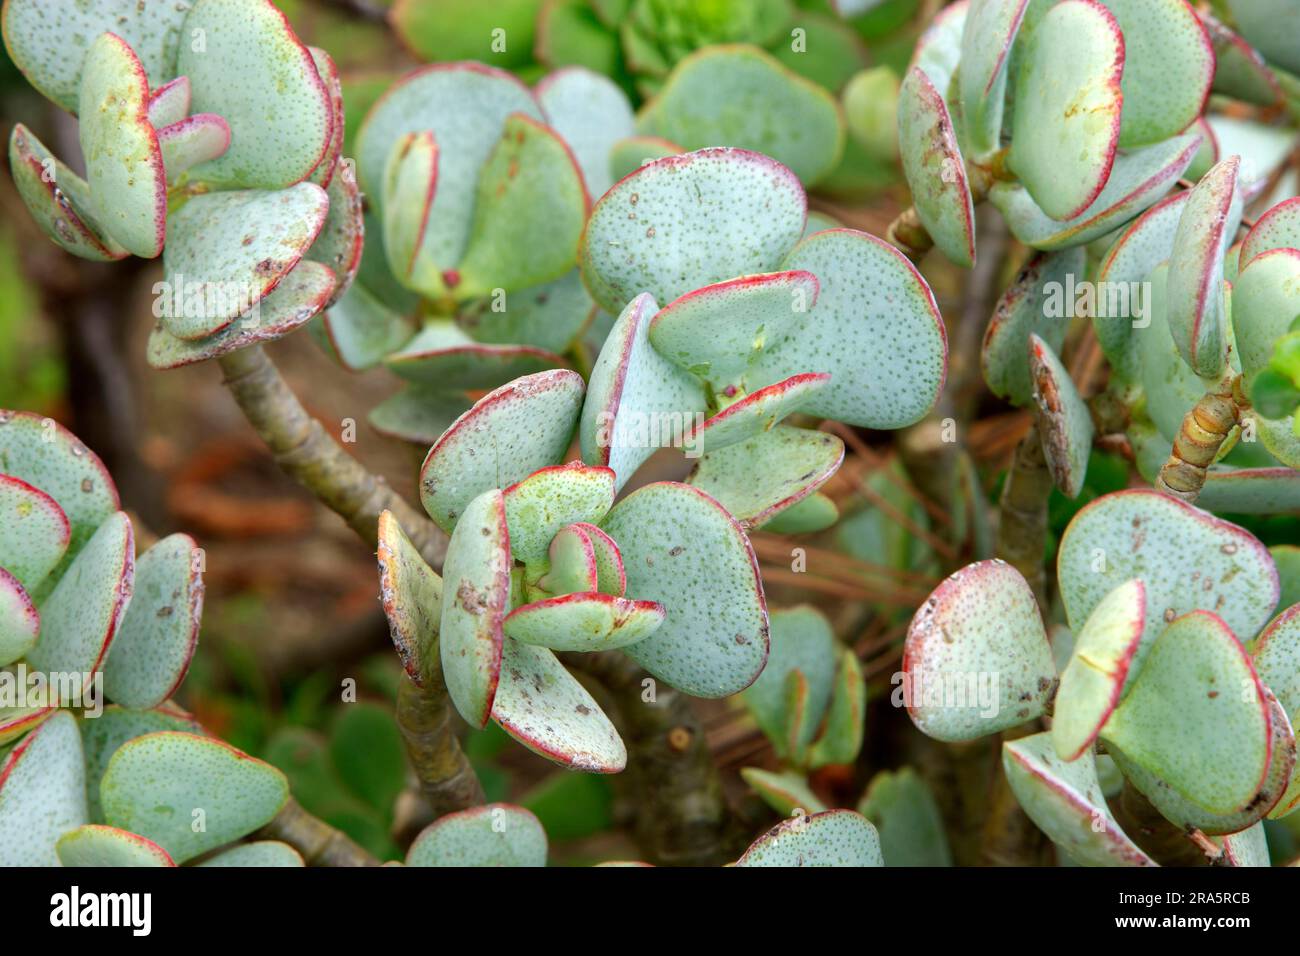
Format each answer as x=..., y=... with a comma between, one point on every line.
x=304, y=450
x=682, y=816
x=1022, y=527
x=447, y=781
x=318, y=842
x=1204, y=430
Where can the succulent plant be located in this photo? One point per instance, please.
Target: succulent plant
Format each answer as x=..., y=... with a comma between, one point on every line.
x=1176, y=664
x=136, y=782
x=239, y=186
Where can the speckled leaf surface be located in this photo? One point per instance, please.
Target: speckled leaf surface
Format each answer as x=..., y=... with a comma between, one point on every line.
x=742, y=96
x=1239, y=70
x=550, y=498
x=259, y=853
x=190, y=141
x=1143, y=245
x=1265, y=302
x=442, y=355
x=611, y=576
x=1066, y=125
x=411, y=594
x=341, y=238
x=1247, y=848
x=20, y=623
x=498, y=834
x=297, y=298
x=1186, y=558
x=817, y=512
x=48, y=39
x=828, y=838
x=584, y=622
x=591, y=113
x=82, y=615
x=418, y=414
x=801, y=639
x=1171, y=387
x=154, y=646
x=630, y=154
x=1066, y=802
x=1196, y=703
x=757, y=413
x=476, y=597
x=572, y=559
x=410, y=182
x=1024, y=310
x=47, y=456
x=1276, y=656
x=115, y=726
x=233, y=248
x=841, y=737
x=1064, y=422
x=1278, y=228
x=786, y=793
x=637, y=400
x=1139, y=178
x=58, y=199
x=718, y=330
x=687, y=221
x=541, y=705
x=903, y=810
x=97, y=845
x=1271, y=26
x=759, y=478
x=938, y=50
x=34, y=532
x=935, y=169
x=875, y=328
x=1197, y=313
x=506, y=436
x=530, y=208
x=157, y=784
x=328, y=72
x=976, y=659
x=42, y=793
x=987, y=36
x=124, y=165
x=169, y=103
x=549, y=316
x=1168, y=68
x=1094, y=676
x=682, y=549
x=279, y=111
x=465, y=105
x=362, y=330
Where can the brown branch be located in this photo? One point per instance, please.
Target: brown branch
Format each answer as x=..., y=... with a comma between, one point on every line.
x=316, y=841
x=447, y=781
x=1022, y=525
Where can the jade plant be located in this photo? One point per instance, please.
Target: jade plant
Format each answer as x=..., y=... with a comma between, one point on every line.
x=101, y=767
x=240, y=187
x=1177, y=682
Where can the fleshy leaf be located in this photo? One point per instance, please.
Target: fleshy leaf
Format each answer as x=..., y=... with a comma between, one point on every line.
x=190, y=141
x=1196, y=311
x=34, y=532
x=259, y=853
x=591, y=113
x=124, y=165
x=611, y=576
x=527, y=423
x=1278, y=228
x=418, y=414
x=687, y=221
x=584, y=622
x=1186, y=558
x=498, y=834
x=718, y=330
x=817, y=512
x=58, y=199
x=169, y=103
x=411, y=593
x=841, y=738
x=905, y=814
x=786, y=793
x=1277, y=661
x=476, y=589
x=42, y=793
x=279, y=111
x=1095, y=674
x=18, y=721
x=630, y=154
x=572, y=559
x=97, y=845
x=296, y=299
x=541, y=705
x=1066, y=125
x=325, y=171
x=361, y=330
x=550, y=498
x=48, y=39
x=742, y=96
x=410, y=183
x=82, y=615
x=1265, y=302
x=339, y=243
x=1026, y=309
x=549, y=316
x=1270, y=25
x=154, y=785
x=682, y=549
x=1197, y=685
x=1239, y=70
x=987, y=36
x=1138, y=179
x=115, y=726
x=20, y=622
x=759, y=478
x=981, y=623
x=801, y=640
x=829, y=838
x=1064, y=422
x=442, y=355
x=228, y=250
x=638, y=400
x=757, y=413
x=1066, y=802
x=875, y=328
x=935, y=169
x=1247, y=848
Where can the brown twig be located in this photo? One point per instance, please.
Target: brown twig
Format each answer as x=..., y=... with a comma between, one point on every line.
x=316, y=841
